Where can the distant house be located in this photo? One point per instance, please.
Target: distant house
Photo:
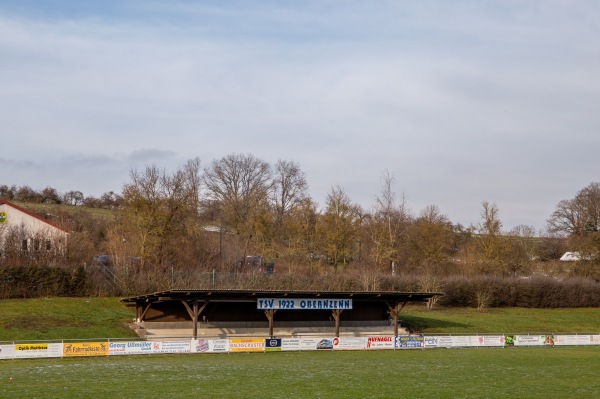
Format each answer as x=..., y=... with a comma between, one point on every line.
x=572, y=257
x=22, y=229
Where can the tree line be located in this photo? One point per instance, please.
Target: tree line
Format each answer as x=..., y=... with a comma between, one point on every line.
x=203, y=218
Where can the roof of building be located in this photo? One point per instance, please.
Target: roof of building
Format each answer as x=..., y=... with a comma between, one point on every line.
x=251, y=295
x=38, y=217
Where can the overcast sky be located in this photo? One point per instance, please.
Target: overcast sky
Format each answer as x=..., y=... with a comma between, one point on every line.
x=461, y=101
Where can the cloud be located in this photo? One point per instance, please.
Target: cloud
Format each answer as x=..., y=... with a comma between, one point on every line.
x=461, y=101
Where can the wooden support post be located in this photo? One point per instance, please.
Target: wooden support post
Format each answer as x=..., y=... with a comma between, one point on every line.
x=194, y=312
x=270, y=315
x=336, y=316
x=144, y=312
x=394, y=312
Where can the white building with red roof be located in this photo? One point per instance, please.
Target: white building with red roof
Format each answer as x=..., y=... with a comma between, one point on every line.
x=33, y=232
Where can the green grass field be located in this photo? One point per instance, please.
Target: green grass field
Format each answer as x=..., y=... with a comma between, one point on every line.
x=566, y=372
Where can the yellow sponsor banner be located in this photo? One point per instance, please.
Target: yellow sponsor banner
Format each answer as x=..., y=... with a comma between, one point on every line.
x=31, y=347
x=85, y=349
x=247, y=345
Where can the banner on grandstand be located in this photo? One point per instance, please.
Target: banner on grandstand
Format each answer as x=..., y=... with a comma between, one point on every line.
x=410, y=341
x=210, y=345
x=303, y=304
x=246, y=344
x=78, y=349
x=380, y=342
x=31, y=350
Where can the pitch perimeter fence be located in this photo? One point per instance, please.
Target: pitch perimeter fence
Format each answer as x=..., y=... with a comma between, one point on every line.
x=120, y=347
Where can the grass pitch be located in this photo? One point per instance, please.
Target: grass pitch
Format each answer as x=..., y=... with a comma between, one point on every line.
x=565, y=372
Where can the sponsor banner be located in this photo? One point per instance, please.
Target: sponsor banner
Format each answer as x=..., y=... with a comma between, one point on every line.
x=348, y=343
x=442, y=341
x=410, y=341
x=129, y=348
x=533, y=340
x=210, y=345
x=578, y=339
x=463, y=341
x=488, y=341
x=73, y=349
x=179, y=346
x=303, y=303
x=306, y=344
x=380, y=342
x=30, y=351
x=272, y=344
x=246, y=344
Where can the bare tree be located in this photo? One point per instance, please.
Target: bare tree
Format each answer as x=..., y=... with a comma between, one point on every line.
x=430, y=237
x=338, y=229
x=578, y=215
x=289, y=187
x=490, y=230
x=238, y=183
x=160, y=210
x=388, y=223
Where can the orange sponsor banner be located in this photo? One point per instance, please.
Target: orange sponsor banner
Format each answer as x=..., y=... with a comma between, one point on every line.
x=73, y=349
x=247, y=345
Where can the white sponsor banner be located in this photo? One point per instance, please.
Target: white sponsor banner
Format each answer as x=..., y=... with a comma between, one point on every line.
x=303, y=303
x=210, y=345
x=453, y=341
x=437, y=341
x=380, y=342
x=130, y=348
x=530, y=340
x=181, y=346
x=578, y=339
x=306, y=344
x=487, y=340
x=31, y=350
x=348, y=343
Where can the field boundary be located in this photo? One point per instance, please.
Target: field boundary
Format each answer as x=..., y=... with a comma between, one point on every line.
x=120, y=347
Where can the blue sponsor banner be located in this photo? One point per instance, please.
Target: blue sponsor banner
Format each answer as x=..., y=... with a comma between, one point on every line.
x=273, y=344
x=410, y=341
x=303, y=304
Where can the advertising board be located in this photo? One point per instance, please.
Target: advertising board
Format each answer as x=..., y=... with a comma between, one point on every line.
x=410, y=341
x=349, y=343
x=79, y=349
x=246, y=344
x=272, y=344
x=31, y=350
x=210, y=346
x=380, y=342
x=175, y=346
x=533, y=340
x=129, y=348
x=577, y=339
x=306, y=344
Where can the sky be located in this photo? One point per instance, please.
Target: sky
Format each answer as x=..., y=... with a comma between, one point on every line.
x=460, y=101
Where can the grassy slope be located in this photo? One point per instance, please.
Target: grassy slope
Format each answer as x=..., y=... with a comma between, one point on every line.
x=62, y=318
x=501, y=320
x=69, y=318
